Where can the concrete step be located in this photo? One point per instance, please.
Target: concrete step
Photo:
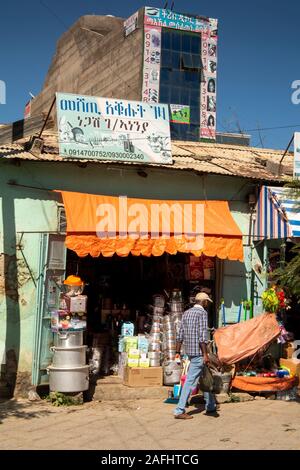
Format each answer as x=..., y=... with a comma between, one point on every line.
x=111, y=388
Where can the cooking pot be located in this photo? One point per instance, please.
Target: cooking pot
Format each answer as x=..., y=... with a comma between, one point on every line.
x=68, y=339
x=159, y=301
x=158, y=310
x=154, y=346
x=155, y=337
x=169, y=355
x=172, y=373
x=169, y=345
x=154, y=355
x=72, y=379
x=154, y=362
x=69, y=357
x=176, y=307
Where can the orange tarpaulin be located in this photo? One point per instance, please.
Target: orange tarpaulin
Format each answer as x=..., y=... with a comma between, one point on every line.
x=263, y=384
x=242, y=340
x=138, y=226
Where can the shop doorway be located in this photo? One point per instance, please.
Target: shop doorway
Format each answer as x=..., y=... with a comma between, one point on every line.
x=123, y=287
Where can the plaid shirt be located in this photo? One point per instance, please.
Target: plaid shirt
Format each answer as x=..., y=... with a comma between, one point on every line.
x=193, y=330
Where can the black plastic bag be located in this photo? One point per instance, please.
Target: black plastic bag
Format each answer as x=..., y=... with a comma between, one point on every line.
x=206, y=381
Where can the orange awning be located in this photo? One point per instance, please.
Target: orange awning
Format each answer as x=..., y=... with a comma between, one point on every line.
x=95, y=226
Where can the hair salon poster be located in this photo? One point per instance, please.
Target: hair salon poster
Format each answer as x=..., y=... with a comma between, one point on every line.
x=152, y=52
x=209, y=82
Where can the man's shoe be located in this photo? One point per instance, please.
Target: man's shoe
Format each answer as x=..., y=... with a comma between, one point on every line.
x=183, y=416
x=213, y=413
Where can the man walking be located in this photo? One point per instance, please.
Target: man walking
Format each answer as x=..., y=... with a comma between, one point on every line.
x=193, y=334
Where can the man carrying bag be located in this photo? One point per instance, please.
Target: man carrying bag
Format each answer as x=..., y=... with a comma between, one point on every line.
x=193, y=334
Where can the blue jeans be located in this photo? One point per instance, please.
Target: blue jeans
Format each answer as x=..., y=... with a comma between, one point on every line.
x=194, y=372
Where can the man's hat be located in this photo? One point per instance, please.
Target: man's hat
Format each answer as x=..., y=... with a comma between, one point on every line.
x=202, y=296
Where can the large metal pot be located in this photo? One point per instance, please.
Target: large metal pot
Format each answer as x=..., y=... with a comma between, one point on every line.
x=169, y=345
x=154, y=346
x=172, y=373
x=176, y=307
x=159, y=301
x=154, y=355
x=169, y=355
x=68, y=339
x=154, y=362
x=158, y=310
x=155, y=337
x=73, y=379
x=69, y=357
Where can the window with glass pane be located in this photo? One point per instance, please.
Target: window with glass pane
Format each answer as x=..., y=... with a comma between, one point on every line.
x=180, y=78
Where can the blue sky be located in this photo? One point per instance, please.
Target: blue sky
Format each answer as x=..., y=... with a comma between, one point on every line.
x=258, y=56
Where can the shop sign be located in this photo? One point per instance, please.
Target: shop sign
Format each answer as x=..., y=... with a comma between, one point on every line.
x=112, y=129
x=180, y=114
x=297, y=155
x=151, y=70
x=131, y=24
x=170, y=19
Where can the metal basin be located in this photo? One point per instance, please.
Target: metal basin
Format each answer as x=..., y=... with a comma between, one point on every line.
x=68, y=339
x=73, y=379
x=69, y=357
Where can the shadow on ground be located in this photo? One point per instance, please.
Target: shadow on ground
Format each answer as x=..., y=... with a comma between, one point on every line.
x=18, y=409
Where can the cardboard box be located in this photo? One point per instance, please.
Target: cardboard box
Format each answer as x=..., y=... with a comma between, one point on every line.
x=143, y=377
x=292, y=364
x=288, y=350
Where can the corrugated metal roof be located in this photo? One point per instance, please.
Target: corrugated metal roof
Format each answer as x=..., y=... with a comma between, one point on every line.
x=231, y=160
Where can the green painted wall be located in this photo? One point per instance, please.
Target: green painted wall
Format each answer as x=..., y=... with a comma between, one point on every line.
x=32, y=210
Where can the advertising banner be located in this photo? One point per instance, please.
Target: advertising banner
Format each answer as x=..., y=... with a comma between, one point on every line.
x=297, y=155
x=209, y=83
x=112, y=129
x=151, y=70
x=170, y=19
x=180, y=114
x=131, y=24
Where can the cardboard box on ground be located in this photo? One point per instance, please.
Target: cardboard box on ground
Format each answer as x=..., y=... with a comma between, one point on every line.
x=143, y=377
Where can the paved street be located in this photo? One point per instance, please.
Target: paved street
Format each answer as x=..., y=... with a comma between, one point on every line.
x=148, y=424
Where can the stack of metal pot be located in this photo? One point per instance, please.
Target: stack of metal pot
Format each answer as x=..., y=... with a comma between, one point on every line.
x=155, y=336
x=68, y=371
x=169, y=338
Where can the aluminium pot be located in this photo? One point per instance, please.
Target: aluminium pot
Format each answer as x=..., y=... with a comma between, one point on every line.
x=154, y=355
x=154, y=337
x=154, y=362
x=69, y=357
x=158, y=310
x=154, y=346
x=72, y=379
x=68, y=339
x=170, y=355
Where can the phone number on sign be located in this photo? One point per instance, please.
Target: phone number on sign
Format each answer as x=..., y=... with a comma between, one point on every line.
x=97, y=153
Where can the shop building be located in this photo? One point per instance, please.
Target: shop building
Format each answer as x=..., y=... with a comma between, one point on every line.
x=154, y=56
x=34, y=258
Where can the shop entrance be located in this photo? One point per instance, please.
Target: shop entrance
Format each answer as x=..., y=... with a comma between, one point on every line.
x=121, y=288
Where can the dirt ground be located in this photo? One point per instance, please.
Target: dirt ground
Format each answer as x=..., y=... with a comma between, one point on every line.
x=148, y=424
